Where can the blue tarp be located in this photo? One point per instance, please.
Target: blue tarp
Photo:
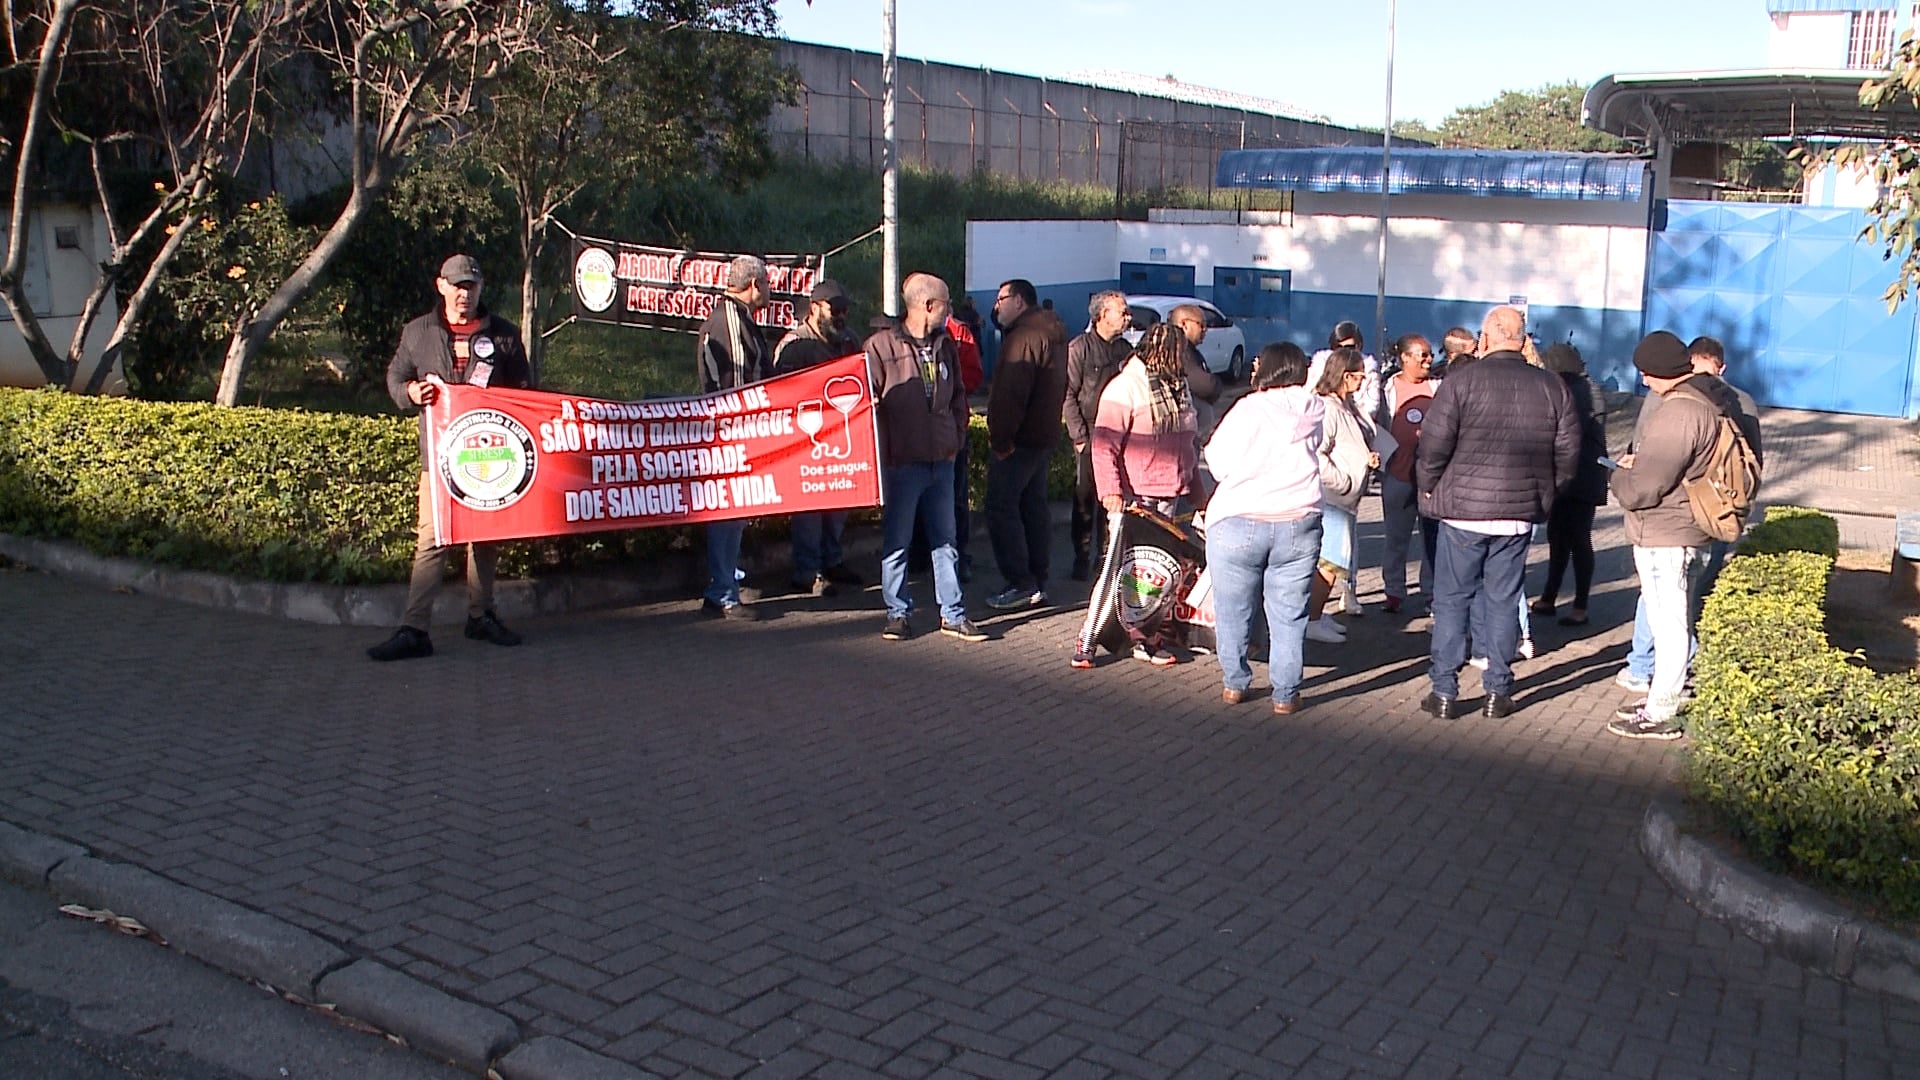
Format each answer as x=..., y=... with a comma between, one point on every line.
x=1523, y=174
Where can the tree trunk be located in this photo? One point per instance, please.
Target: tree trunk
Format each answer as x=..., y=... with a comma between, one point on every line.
x=136, y=303
x=250, y=333
x=530, y=303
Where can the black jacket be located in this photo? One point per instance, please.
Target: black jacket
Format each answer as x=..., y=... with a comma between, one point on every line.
x=802, y=348
x=731, y=352
x=1091, y=365
x=918, y=423
x=426, y=348
x=1029, y=383
x=1500, y=442
x=1590, y=478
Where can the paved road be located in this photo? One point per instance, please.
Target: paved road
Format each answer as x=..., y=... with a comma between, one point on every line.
x=79, y=1002
x=794, y=849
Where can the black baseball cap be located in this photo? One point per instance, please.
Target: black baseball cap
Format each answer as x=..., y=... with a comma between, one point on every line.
x=461, y=270
x=829, y=290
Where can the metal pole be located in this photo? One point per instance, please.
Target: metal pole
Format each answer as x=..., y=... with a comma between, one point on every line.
x=1386, y=163
x=889, y=173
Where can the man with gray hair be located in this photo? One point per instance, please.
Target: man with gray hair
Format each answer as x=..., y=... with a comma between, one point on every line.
x=1093, y=359
x=732, y=353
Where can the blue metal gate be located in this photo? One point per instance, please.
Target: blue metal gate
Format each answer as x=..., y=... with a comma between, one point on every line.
x=1796, y=298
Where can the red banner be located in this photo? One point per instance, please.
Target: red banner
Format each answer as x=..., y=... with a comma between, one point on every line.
x=516, y=464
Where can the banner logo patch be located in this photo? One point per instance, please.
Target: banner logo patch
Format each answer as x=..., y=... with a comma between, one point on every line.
x=487, y=460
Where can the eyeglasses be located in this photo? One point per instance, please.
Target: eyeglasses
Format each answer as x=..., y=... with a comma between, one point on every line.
x=1421, y=355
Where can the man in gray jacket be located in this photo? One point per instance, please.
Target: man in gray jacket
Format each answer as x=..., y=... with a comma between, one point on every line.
x=1669, y=549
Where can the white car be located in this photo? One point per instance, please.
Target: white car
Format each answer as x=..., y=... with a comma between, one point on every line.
x=1224, y=350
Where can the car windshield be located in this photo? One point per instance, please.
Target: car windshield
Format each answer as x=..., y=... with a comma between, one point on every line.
x=1143, y=317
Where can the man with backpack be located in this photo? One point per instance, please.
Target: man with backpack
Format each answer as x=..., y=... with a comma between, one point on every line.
x=1689, y=482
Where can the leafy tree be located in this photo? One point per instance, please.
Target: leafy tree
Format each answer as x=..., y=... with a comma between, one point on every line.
x=658, y=89
x=1894, y=214
x=1543, y=119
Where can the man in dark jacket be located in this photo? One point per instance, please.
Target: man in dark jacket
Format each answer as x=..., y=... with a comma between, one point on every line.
x=1093, y=359
x=922, y=413
x=731, y=353
x=1500, y=442
x=457, y=342
x=1202, y=383
x=818, y=561
x=1023, y=430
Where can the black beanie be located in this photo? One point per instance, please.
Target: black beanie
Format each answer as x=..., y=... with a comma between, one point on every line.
x=1662, y=356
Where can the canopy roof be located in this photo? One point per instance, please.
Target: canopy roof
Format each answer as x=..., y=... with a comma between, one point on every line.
x=1522, y=174
x=1719, y=106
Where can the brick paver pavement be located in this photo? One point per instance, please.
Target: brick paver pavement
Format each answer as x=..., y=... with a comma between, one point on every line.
x=795, y=849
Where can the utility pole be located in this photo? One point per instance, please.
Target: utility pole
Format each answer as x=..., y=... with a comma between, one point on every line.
x=890, y=170
x=1386, y=166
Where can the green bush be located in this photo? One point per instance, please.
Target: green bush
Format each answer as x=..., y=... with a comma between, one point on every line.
x=274, y=494
x=1811, y=759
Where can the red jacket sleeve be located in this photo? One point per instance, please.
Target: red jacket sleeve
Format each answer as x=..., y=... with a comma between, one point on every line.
x=972, y=374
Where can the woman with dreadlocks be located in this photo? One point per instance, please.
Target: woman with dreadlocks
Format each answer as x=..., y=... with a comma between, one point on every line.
x=1145, y=451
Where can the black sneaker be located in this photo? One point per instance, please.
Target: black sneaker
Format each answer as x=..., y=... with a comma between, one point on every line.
x=405, y=644
x=1016, y=599
x=897, y=629
x=841, y=574
x=964, y=630
x=486, y=627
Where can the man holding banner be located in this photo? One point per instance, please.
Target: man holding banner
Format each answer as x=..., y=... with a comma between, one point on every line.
x=818, y=561
x=458, y=343
x=731, y=354
x=915, y=377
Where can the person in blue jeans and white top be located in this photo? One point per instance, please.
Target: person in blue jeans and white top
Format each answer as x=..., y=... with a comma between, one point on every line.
x=1264, y=524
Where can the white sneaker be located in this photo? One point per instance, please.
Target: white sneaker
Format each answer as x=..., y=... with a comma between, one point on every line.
x=1326, y=630
x=1525, y=650
x=1478, y=663
x=1351, y=605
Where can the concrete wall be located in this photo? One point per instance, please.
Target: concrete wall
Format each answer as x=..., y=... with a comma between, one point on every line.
x=963, y=119
x=58, y=281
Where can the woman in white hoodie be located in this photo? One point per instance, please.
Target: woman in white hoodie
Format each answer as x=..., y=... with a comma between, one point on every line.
x=1263, y=523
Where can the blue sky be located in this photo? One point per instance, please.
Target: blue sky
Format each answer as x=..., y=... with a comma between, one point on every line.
x=1328, y=56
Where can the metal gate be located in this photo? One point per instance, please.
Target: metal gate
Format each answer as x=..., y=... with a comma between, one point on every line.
x=1795, y=297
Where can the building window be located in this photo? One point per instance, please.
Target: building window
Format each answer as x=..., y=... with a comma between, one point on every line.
x=1870, y=41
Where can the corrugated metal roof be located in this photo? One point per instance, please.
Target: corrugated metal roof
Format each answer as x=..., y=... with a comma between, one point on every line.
x=1523, y=174
x=1788, y=7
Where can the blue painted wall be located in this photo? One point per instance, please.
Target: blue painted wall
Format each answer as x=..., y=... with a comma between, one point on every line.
x=1795, y=297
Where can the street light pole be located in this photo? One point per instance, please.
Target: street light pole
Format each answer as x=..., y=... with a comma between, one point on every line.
x=889, y=172
x=1386, y=164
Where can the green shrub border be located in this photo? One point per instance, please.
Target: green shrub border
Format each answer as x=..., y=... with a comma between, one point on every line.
x=276, y=494
x=1811, y=759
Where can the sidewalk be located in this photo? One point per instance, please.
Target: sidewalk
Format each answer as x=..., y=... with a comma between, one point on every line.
x=794, y=849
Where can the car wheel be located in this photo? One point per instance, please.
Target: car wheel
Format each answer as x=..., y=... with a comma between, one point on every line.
x=1237, y=367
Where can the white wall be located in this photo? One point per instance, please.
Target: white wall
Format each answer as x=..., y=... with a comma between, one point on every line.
x=1585, y=266
x=1809, y=39
x=1043, y=252
x=1831, y=186
x=69, y=275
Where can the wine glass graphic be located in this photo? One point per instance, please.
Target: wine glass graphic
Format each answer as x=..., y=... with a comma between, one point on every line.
x=843, y=393
x=809, y=417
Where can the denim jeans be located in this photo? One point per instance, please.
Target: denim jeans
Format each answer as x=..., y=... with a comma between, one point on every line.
x=1401, y=513
x=919, y=490
x=1250, y=562
x=816, y=542
x=1669, y=577
x=723, y=558
x=1640, y=656
x=1478, y=586
x=1018, y=520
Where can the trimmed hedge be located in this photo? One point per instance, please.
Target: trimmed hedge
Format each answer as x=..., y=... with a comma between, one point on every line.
x=276, y=494
x=1811, y=759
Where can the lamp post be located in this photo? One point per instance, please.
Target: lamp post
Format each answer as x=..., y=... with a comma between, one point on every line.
x=1386, y=164
x=890, y=171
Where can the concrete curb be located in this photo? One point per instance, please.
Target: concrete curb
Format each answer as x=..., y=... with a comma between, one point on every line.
x=674, y=575
x=429, y=1019
x=548, y=1058
x=1792, y=919
x=224, y=934
x=258, y=946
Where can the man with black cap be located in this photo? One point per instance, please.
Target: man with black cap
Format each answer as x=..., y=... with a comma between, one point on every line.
x=732, y=353
x=820, y=337
x=457, y=342
x=1669, y=548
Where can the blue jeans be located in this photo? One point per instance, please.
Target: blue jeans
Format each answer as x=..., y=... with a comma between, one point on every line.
x=1640, y=656
x=816, y=543
x=1669, y=578
x=1400, y=509
x=920, y=490
x=1272, y=561
x=1018, y=521
x=723, y=558
x=1477, y=586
